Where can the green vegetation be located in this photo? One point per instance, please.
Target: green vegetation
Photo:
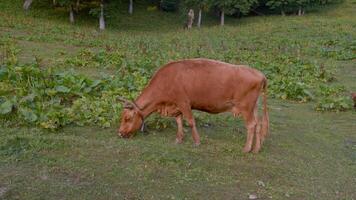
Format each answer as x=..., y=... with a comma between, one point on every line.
x=298, y=69
x=51, y=98
x=64, y=77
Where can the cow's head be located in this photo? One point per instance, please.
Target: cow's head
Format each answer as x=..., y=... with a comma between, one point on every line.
x=131, y=119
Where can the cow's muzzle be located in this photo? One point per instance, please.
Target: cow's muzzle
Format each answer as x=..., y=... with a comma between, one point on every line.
x=123, y=135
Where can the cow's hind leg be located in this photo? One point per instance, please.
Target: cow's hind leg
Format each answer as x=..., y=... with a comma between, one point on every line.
x=251, y=121
x=180, y=133
x=258, y=138
x=188, y=115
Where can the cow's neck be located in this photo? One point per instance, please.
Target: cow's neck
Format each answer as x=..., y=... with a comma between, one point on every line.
x=145, y=103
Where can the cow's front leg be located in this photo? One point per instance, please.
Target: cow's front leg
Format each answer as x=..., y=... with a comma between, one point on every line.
x=180, y=133
x=188, y=115
x=191, y=121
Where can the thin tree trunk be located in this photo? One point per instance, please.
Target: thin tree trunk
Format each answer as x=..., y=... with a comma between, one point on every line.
x=190, y=19
x=131, y=7
x=282, y=12
x=102, y=20
x=27, y=4
x=222, y=18
x=77, y=6
x=71, y=14
x=199, y=18
x=54, y=3
x=300, y=11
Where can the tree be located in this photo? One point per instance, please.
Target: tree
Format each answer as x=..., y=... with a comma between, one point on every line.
x=294, y=6
x=199, y=18
x=27, y=4
x=70, y=5
x=101, y=18
x=280, y=5
x=302, y=4
x=231, y=7
x=98, y=9
x=77, y=5
x=196, y=4
x=131, y=7
x=71, y=14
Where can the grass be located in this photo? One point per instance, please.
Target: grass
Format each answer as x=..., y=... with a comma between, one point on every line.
x=309, y=155
x=313, y=162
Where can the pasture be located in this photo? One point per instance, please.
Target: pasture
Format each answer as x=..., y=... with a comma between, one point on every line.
x=58, y=135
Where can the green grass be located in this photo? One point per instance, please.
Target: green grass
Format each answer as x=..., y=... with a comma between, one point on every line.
x=309, y=155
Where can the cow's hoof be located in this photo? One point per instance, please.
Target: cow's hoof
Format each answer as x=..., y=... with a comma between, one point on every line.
x=196, y=144
x=255, y=150
x=246, y=150
x=179, y=141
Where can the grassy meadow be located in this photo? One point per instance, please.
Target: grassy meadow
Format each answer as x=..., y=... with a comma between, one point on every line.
x=59, y=81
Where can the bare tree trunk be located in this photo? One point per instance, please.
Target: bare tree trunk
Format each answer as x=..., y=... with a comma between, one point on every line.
x=54, y=3
x=282, y=12
x=71, y=14
x=27, y=4
x=77, y=6
x=102, y=20
x=199, y=18
x=190, y=19
x=222, y=18
x=131, y=7
x=300, y=11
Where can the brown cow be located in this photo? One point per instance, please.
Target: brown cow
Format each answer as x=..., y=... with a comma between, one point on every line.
x=205, y=85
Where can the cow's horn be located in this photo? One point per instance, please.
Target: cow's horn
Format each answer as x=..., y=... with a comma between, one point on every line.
x=122, y=99
x=127, y=103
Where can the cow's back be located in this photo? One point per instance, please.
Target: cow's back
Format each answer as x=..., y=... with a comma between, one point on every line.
x=206, y=84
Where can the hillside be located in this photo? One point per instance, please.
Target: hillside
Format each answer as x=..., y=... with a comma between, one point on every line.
x=58, y=136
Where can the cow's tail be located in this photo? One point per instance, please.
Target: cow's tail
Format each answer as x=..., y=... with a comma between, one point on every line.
x=265, y=119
